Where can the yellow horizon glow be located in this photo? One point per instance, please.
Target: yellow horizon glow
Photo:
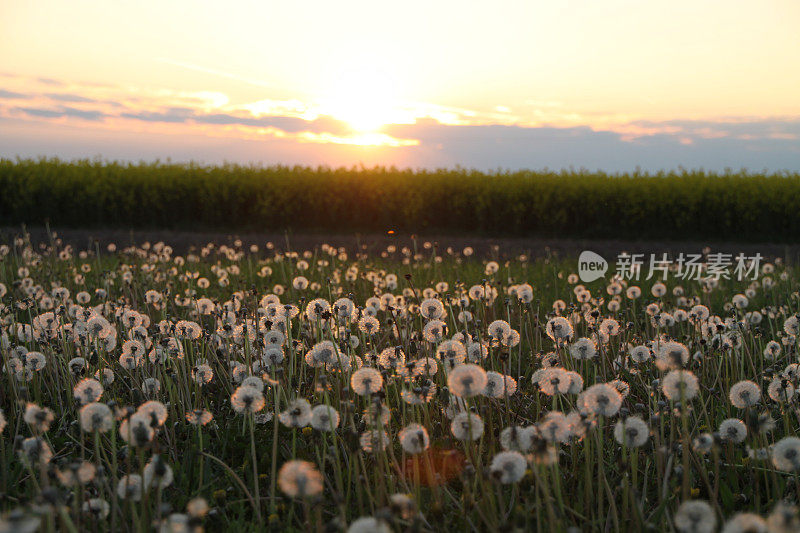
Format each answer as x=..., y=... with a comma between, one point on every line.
x=369, y=65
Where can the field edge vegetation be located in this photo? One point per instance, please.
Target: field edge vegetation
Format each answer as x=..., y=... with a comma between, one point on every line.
x=679, y=205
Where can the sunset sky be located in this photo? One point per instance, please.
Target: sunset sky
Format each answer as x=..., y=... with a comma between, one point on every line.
x=606, y=84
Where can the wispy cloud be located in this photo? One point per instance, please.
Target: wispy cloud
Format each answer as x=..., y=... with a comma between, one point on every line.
x=62, y=112
x=11, y=95
x=68, y=98
x=544, y=134
x=50, y=81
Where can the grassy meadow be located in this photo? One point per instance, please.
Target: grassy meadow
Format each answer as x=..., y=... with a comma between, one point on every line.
x=418, y=388
x=687, y=205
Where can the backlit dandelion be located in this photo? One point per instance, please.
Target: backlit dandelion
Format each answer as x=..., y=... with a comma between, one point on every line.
x=671, y=355
x=583, y=348
x=374, y=440
x=558, y=329
x=368, y=524
x=298, y=414
x=154, y=411
x=745, y=394
x=434, y=331
x=631, y=432
x=695, y=516
x=366, y=381
x=392, y=358
x=199, y=417
x=96, y=417
x=88, y=390
x=784, y=518
x=467, y=380
x=786, y=454
x=467, y=426
x=640, y=354
x=157, y=473
x=38, y=418
x=300, y=479
x=518, y=438
x=130, y=487
x=680, y=385
x=35, y=451
x=137, y=430
x=432, y=309
x=554, y=427
x=452, y=353
x=403, y=505
x=247, y=400
x=733, y=430
x=324, y=418
x=414, y=439
x=202, y=374
x=508, y=467
x=745, y=523
x=602, y=399
x=97, y=507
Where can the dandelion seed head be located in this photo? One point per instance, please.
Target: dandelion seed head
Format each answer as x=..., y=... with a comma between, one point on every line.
x=368, y=524
x=38, y=418
x=602, y=399
x=744, y=394
x=414, y=438
x=88, y=390
x=434, y=331
x=680, y=385
x=96, y=417
x=695, y=516
x=130, y=487
x=35, y=451
x=374, y=440
x=366, y=381
x=137, y=430
x=97, y=507
x=582, y=349
x=733, y=430
x=558, y=329
x=467, y=426
x=157, y=473
x=324, y=418
x=300, y=479
x=786, y=454
x=297, y=414
x=631, y=432
x=467, y=380
x=518, y=438
x=745, y=523
x=508, y=467
x=554, y=427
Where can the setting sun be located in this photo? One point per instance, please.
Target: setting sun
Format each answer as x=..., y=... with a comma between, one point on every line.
x=365, y=98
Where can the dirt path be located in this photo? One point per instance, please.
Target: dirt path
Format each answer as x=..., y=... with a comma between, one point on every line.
x=183, y=241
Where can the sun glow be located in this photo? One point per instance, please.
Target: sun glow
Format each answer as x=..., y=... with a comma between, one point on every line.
x=365, y=98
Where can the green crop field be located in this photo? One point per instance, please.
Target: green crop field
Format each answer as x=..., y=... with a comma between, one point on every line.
x=252, y=388
x=678, y=206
